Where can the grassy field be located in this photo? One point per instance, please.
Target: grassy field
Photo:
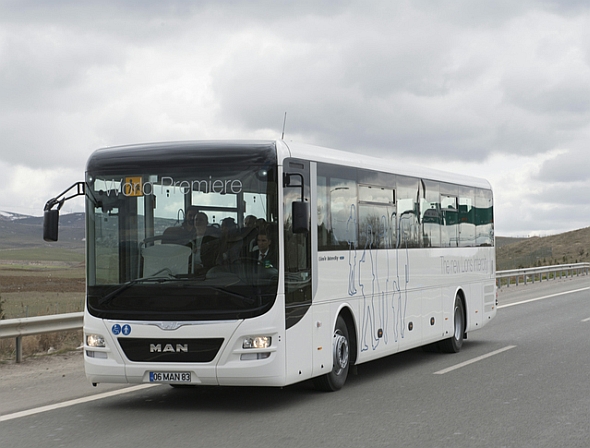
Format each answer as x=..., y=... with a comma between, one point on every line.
x=41, y=281
x=44, y=256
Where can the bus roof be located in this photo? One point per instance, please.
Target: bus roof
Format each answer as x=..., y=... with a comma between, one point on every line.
x=327, y=155
x=110, y=157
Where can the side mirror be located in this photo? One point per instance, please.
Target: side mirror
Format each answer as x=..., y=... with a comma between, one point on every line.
x=51, y=217
x=50, y=225
x=300, y=213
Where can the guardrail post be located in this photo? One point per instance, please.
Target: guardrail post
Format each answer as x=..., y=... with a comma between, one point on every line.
x=19, y=348
x=28, y=326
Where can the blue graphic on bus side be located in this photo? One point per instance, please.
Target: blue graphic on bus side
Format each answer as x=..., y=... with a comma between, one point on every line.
x=116, y=329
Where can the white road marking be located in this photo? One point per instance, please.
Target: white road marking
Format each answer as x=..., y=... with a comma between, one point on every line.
x=586, y=320
x=471, y=361
x=65, y=404
x=542, y=298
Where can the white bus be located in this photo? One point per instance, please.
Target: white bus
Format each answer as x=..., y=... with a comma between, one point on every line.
x=367, y=258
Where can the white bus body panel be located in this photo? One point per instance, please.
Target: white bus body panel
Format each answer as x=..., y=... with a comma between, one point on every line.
x=403, y=299
x=227, y=368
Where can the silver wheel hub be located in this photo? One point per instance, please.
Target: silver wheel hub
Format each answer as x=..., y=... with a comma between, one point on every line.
x=340, y=352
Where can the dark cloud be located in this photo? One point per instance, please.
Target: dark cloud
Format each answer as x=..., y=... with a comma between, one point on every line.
x=567, y=168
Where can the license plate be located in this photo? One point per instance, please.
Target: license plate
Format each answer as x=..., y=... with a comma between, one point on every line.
x=170, y=377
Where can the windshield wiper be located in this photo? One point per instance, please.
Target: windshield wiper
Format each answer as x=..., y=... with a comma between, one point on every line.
x=153, y=278
x=233, y=295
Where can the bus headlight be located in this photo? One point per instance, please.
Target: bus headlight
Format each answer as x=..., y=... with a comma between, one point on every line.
x=257, y=342
x=95, y=340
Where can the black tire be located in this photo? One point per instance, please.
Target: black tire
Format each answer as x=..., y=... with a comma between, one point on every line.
x=334, y=380
x=455, y=342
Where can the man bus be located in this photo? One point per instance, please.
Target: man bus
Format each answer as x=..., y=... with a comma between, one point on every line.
x=373, y=257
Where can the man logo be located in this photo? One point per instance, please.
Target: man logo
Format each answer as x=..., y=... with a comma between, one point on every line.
x=169, y=348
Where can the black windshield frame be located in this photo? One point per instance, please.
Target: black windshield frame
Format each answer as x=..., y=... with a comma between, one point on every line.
x=233, y=292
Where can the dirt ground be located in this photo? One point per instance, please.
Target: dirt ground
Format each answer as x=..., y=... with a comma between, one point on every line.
x=40, y=282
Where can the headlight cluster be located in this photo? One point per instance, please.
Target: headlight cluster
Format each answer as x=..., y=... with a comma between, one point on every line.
x=96, y=341
x=257, y=342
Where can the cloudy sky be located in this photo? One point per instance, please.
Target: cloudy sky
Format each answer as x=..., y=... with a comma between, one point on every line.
x=498, y=88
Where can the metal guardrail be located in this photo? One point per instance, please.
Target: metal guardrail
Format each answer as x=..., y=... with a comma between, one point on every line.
x=28, y=326
x=518, y=276
x=17, y=328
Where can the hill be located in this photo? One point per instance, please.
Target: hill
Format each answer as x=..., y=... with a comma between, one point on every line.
x=26, y=232
x=568, y=247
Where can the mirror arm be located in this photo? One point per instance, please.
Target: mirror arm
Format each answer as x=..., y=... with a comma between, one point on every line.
x=59, y=200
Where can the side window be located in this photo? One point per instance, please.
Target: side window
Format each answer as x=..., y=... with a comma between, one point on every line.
x=466, y=218
x=337, y=207
x=484, y=218
x=343, y=208
x=431, y=215
x=325, y=236
x=376, y=217
x=450, y=221
x=408, y=212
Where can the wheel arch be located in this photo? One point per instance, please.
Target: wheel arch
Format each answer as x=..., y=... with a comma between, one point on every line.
x=348, y=317
x=461, y=294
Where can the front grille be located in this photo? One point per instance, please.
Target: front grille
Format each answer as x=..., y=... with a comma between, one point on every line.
x=170, y=350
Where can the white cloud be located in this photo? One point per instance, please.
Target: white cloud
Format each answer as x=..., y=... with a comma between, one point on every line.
x=27, y=189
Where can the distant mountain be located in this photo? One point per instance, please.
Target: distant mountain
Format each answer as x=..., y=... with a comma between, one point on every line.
x=10, y=216
x=21, y=231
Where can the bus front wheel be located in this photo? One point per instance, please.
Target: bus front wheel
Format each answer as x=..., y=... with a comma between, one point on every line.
x=340, y=360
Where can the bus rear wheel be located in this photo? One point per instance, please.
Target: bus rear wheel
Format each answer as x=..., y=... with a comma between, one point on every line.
x=455, y=342
x=340, y=360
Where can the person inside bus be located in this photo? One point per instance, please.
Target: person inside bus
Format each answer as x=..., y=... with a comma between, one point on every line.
x=184, y=233
x=230, y=243
x=196, y=233
x=250, y=231
x=204, y=242
x=266, y=255
x=250, y=222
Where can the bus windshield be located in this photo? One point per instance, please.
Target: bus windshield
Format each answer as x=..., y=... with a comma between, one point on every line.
x=177, y=241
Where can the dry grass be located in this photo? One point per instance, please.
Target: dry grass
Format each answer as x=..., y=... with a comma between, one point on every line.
x=41, y=344
x=569, y=247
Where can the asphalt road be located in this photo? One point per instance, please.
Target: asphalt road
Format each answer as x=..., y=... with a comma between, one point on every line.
x=521, y=381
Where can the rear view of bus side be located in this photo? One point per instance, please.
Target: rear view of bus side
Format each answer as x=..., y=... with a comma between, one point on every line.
x=266, y=263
